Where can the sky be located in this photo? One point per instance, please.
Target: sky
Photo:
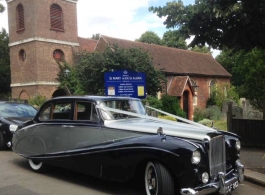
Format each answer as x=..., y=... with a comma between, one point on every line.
x=125, y=19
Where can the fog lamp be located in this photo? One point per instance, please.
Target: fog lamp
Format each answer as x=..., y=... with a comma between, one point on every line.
x=205, y=177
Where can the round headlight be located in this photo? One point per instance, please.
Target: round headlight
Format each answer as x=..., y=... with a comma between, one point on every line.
x=238, y=145
x=13, y=128
x=196, y=157
x=205, y=177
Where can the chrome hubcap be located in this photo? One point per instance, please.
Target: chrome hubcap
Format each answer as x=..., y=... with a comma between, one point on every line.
x=151, y=180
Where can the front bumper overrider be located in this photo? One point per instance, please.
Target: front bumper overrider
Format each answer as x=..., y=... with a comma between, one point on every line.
x=223, y=186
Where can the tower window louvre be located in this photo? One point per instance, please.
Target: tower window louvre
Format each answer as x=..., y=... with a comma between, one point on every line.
x=56, y=15
x=20, y=17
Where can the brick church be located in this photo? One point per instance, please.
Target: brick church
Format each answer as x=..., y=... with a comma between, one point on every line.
x=42, y=32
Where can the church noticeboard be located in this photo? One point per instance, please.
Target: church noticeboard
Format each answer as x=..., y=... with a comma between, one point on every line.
x=125, y=83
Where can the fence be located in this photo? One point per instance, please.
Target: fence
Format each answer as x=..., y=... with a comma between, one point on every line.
x=251, y=131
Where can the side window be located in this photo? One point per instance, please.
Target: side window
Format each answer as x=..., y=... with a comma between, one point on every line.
x=85, y=111
x=212, y=87
x=62, y=110
x=56, y=111
x=45, y=113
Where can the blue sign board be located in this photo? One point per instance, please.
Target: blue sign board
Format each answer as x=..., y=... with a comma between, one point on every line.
x=125, y=83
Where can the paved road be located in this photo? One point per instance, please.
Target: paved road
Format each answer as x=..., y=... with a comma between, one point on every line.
x=16, y=178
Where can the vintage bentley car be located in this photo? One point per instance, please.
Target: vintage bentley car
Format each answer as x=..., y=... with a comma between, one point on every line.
x=114, y=139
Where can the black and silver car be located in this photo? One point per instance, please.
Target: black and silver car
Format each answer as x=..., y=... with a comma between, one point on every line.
x=113, y=138
x=11, y=115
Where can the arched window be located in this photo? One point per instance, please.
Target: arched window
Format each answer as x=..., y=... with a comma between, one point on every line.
x=212, y=86
x=20, y=17
x=56, y=14
x=22, y=55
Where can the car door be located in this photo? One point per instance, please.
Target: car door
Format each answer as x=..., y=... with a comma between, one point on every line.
x=54, y=123
x=86, y=139
x=86, y=131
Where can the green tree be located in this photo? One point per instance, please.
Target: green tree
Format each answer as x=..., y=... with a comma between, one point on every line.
x=67, y=77
x=247, y=69
x=150, y=37
x=171, y=105
x=230, y=61
x=96, y=36
x=5, y=78
x=252, y=69
x=174, y=39
x=233, y=24
x=203, y=49
x=87, y=75
x=2, y=8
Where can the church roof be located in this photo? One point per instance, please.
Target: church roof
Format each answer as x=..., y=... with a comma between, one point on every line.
x=177, y=84
x=87, y=44
x=172, y=60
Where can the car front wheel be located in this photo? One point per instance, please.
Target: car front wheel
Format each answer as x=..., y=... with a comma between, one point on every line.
x=158, y=180
x=36, y=166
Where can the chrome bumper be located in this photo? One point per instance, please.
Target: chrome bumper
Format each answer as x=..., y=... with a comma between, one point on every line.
x=222, y=186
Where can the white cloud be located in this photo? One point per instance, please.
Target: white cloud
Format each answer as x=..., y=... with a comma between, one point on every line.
x=117, y=18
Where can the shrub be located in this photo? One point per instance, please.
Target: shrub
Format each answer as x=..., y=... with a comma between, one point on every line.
x=171, y=105
x=5, y=96
x=213, y=113
x=153, y=102
x=37, y=100
x=206, y=122
x=232, y=94
x=199, y=114
x=221, y=93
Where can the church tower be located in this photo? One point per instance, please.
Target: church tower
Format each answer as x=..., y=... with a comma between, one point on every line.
x=41, y=32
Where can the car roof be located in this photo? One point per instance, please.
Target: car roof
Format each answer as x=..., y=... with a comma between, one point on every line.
x=95, y=98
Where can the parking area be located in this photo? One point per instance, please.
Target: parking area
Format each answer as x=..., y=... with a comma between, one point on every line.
x=16, y=178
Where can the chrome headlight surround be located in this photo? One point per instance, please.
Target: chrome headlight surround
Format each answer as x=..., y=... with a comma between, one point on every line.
x=238, y=145
x=196, y=157
x=13, y=128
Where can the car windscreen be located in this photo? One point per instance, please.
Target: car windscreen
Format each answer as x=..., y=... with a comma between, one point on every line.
x=134, y=106
x=16, y=110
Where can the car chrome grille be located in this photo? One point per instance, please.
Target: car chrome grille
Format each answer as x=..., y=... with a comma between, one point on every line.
x=217, y=159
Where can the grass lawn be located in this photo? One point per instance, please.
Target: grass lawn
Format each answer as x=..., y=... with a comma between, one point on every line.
x=222, y=125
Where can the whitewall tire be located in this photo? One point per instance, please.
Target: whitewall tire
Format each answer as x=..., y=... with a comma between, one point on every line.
x=36, y=166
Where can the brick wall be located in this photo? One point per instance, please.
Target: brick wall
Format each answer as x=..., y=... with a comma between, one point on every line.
x=37, y=20
x=31, y=91
x=39, y=64
x=203, y=93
